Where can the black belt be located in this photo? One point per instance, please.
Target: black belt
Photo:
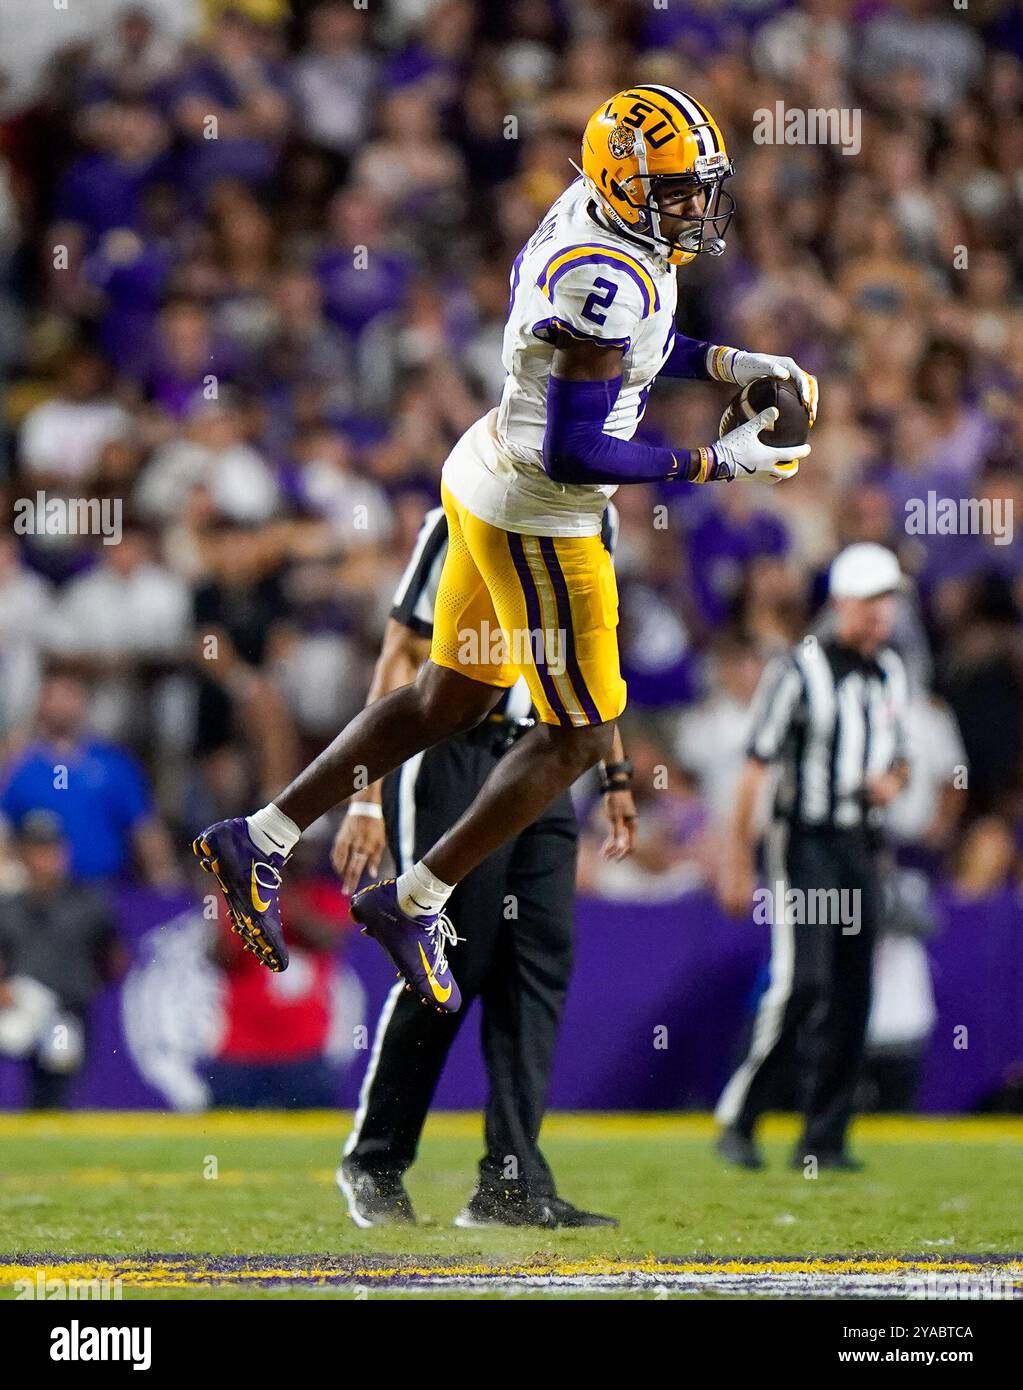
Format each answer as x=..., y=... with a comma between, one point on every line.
x=498, y=732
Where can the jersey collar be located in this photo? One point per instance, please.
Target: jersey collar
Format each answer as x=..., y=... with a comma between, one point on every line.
x=845, y=659
x=594, y=213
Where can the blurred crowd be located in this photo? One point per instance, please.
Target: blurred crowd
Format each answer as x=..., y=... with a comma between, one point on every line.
x=253, y=281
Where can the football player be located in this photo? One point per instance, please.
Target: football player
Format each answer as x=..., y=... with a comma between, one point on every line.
x=527, y=585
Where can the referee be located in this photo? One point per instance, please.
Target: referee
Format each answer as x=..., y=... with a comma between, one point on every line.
x=513, y=919
x=830, y=716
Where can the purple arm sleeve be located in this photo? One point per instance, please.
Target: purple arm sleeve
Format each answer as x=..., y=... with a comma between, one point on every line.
x=688, y=358
x=576, y=449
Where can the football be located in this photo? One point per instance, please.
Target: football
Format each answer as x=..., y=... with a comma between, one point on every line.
x=793, y=423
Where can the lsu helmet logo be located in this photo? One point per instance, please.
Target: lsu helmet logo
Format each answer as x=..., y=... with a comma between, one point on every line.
x=622, y=141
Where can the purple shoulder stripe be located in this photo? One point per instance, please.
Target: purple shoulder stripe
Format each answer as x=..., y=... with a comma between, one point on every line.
x=568, y=257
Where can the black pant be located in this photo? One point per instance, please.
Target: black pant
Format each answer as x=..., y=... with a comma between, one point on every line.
x=515, y=913
x=817, y=1005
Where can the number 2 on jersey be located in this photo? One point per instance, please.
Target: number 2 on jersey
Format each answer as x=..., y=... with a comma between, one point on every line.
x=596, y=302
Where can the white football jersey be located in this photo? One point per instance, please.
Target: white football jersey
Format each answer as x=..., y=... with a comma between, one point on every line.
x=576, y=277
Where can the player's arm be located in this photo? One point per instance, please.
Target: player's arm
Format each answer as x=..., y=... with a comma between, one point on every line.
x=738, y=874
x=883, y=789
x=699, y=361
x=402, y=653
x=619, y=808
x=584, y=384
x=360, y=840
x=776, y=708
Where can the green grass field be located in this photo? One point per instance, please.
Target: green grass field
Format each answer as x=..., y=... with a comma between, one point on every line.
x=244, y=1205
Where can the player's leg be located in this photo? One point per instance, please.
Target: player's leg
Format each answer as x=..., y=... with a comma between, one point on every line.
x=536, y=771
x=456, y=688
x=411, y=1044
x=522, y=999
x=557, y=602
x=521, y=1034
x=798, y=971
x=839, y=1028
x=541, y=879
x=556, y=609
x=409, y=1051
x=247, y=854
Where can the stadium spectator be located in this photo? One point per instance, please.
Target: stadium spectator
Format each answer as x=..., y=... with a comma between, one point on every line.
x=213, y=452
x=980, y=674
x=26, y=602
x=355, y=508
x=103, y=190
x=58, y=949
x=97, y=791
x=946, y=56
x=924, y=817
x=711, y=736
x=131, y=59
x=62, y=437
x=334, y=79
x=675, y=847
x=230, y=106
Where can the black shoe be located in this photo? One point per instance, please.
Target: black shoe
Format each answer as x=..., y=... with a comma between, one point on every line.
x=511, y=1208
x=739, y=1149
x=565, y=1214
x=374, y=1199
x=836, y=1159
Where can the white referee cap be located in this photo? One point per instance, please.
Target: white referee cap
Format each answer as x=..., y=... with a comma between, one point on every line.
x=864, y=570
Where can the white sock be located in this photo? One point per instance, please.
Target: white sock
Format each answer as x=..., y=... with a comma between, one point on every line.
x=419, y=893
x=272, y=831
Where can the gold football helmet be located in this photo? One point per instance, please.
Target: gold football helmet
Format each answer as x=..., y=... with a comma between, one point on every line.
x=651, y=133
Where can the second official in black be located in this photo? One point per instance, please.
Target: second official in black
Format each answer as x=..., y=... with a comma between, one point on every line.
x=513, y=916
x=830, y=717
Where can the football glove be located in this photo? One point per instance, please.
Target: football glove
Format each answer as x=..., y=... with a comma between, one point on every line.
x=747, y=458
x=740, y=368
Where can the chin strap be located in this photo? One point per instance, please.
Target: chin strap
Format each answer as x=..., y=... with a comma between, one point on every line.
x=612, y=220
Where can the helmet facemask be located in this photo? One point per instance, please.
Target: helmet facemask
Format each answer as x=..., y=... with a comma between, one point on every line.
x=705, y=233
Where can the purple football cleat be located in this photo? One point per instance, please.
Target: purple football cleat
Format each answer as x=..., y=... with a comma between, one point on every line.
x=417, y=945
x=250, y=881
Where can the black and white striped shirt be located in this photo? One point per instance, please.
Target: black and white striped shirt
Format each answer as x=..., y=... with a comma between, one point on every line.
x=831, y=719
x=416, y=594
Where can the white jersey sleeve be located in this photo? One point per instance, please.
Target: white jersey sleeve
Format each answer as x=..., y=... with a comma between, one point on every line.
x=594, y=292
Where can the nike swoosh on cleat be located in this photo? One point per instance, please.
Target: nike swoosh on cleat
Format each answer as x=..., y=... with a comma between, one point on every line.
x=257, y=902
x=423, y=907
x=440, y=992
